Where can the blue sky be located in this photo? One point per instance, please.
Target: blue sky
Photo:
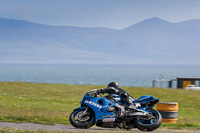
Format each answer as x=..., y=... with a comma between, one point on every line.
x=116, y=14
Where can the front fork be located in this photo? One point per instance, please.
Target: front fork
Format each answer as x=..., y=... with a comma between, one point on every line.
x=84, y=112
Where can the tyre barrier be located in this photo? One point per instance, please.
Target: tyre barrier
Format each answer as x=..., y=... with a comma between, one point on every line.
x=168, y=111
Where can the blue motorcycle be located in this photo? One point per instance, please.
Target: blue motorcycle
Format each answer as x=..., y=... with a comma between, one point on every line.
x=110, y=112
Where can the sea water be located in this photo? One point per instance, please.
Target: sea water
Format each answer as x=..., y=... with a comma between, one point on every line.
x=126, y=75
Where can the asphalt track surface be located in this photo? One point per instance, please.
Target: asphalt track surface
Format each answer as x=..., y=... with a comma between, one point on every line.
x=69, y=128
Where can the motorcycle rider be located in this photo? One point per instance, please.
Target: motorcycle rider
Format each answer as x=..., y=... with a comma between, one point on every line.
x=113, y=88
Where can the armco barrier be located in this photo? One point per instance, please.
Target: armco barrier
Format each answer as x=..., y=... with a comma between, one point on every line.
x=168, y=111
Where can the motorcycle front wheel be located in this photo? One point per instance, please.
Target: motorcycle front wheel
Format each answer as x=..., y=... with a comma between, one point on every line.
x=78, y=120
x=150, y=124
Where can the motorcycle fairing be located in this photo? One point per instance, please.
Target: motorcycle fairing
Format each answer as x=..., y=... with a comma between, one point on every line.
x=99, y=109
x=146, y=99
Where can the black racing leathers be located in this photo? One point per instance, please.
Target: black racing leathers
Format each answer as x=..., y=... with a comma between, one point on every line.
x=125, y=97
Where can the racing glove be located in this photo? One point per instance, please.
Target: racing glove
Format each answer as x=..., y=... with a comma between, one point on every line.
x=99, y=91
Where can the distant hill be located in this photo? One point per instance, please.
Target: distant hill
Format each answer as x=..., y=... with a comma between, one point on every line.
x=151, y=41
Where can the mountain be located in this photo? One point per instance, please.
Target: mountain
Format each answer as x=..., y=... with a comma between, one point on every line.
x=151, y=41
x=160, y=40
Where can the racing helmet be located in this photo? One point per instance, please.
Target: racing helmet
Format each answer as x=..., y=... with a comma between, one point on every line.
x=113, y=84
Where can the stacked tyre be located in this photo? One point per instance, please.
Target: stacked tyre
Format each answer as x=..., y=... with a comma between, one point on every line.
x=168, y=111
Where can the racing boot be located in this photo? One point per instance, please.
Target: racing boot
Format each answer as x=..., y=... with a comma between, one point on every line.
x=131, y=105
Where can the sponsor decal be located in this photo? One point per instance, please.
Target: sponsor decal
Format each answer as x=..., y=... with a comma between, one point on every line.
x=109, y=120
x=111, y=116
x=108, y=116
x=103, y=116
x=93, y=103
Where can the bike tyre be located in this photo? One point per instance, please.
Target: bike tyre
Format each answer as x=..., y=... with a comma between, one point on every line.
x=149, y=127
x=82, y=126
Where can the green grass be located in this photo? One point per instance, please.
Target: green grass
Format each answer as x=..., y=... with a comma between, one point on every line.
x=53, y=103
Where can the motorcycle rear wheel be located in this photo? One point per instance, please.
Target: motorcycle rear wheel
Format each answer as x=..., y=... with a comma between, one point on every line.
x=79, y=121
x=151, y=124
